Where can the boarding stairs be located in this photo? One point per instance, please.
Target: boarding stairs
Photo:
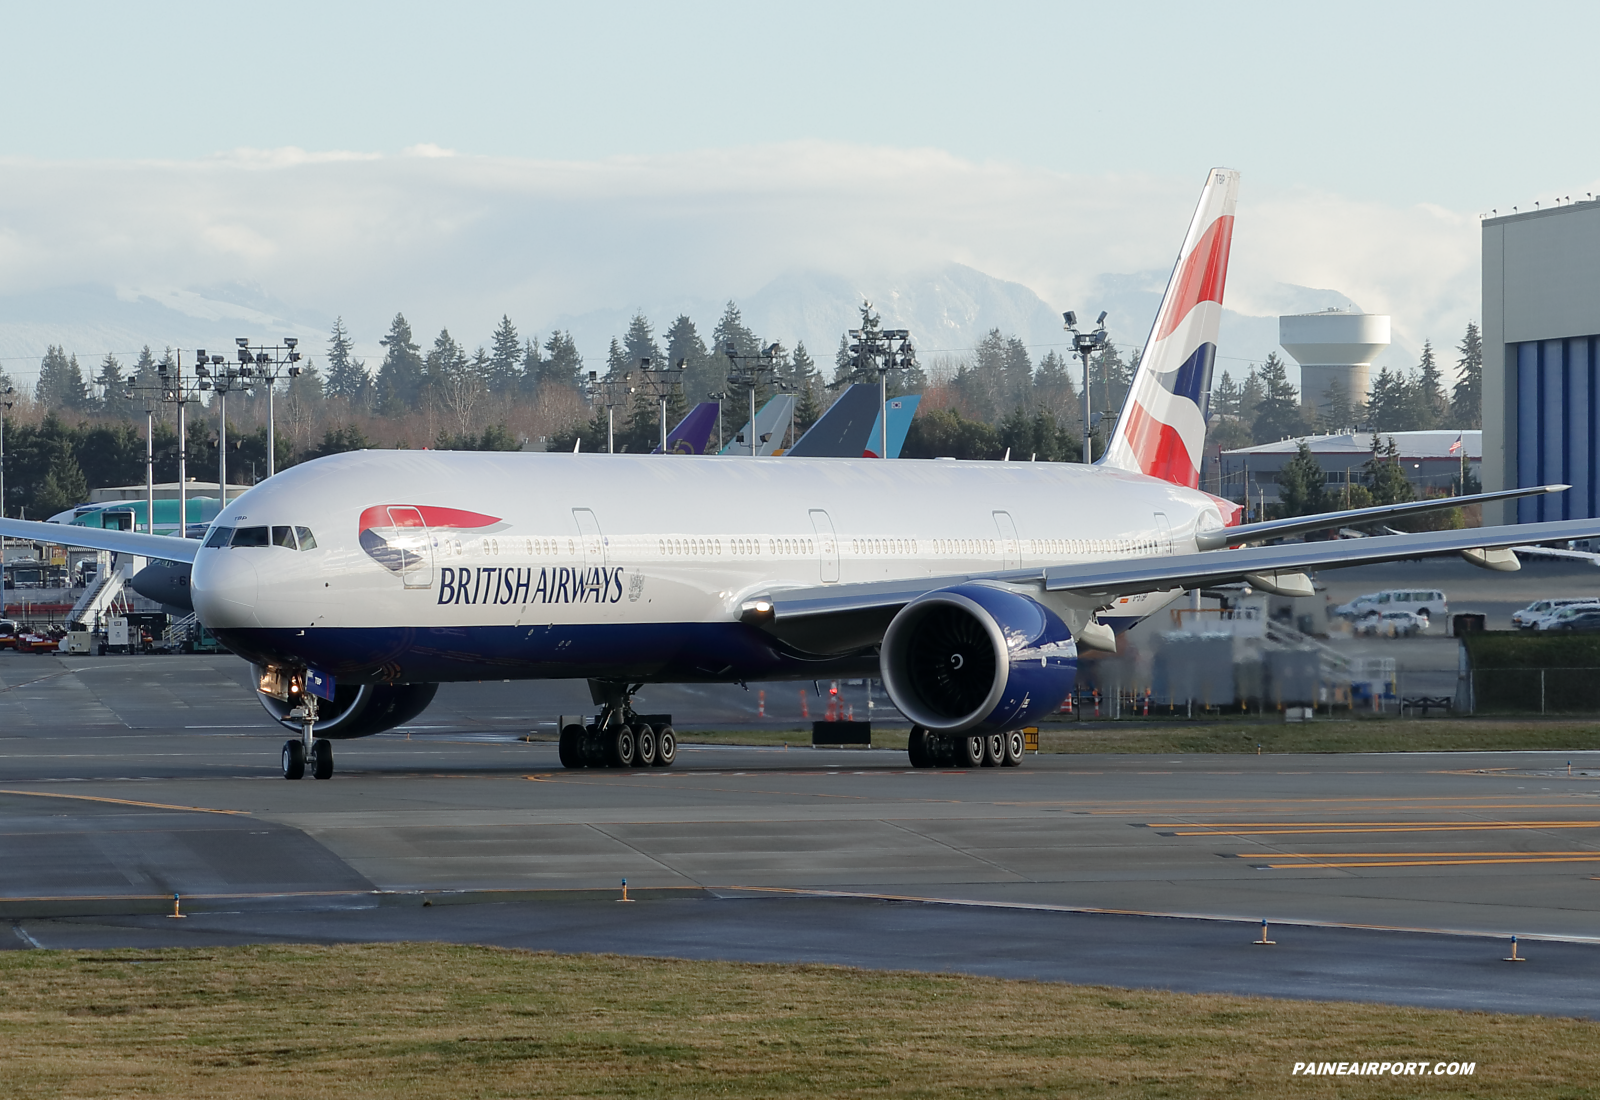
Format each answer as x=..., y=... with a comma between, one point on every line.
x=178, y=631
x=106, y=594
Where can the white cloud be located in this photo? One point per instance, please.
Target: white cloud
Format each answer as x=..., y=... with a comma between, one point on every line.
x=458, y=240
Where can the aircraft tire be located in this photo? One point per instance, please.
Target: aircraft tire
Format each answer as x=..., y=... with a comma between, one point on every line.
x=994, y=750
x=970, y=751
x=666, y=747
x=620, y=746
x=1016, y=745
x=321, y=762
x=294, y=759
x=917, y=748
x=644, y=740
x=572, y=747
x=594, y=748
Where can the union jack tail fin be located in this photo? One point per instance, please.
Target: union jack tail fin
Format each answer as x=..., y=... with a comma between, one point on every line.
x=1162, y=429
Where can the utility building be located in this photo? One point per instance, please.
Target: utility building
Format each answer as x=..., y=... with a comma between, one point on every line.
x=1541, y=359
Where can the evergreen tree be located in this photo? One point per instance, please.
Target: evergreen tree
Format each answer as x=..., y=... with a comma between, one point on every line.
x=61, y=384
x=1466, y=400
x=640, y=343
x=532, y=367
x=945, y=433
x=1225, y=398
x=112, y=383
x=617, y=365
x=338, y=440
x=1391, y=403
x=843, y=362
x=503, y=373
x=1279, y=414
x=1301, y=484
x=1054, y=390
x=145, y=381
x=805, y=380
x=1427, y=390
x=63, y=486
x=701, y=375
x=454, y=380
x=731, y=329
x=1336, y=411
x=1384, y=477
x=564, y=366
x=1017, y=368
x=347, y=375
x=401, y=376
x=1250, y=396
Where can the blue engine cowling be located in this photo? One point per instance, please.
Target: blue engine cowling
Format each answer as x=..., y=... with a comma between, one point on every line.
x=977, y=657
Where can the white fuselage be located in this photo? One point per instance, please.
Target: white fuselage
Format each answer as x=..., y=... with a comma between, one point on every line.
x=521, y=543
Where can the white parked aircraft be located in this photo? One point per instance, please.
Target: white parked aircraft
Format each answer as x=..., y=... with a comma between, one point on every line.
x=369, y=578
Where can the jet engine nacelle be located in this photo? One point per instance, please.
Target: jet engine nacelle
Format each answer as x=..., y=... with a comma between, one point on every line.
x=977, y=657
x=357, y=710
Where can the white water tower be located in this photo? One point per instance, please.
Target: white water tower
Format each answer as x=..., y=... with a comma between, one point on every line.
x=1335, y=350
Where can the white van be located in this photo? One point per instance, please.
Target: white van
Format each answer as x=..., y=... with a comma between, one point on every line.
x=1528, y=617
x=1427, y=602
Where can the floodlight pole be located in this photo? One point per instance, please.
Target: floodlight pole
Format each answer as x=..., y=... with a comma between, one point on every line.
x=1085, y=344
x=183, y=452
x=879, y=351
x=6, y=403
x=750, y=371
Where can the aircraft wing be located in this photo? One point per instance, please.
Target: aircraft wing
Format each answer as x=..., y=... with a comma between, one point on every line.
x=167, y=547
x=860, y=603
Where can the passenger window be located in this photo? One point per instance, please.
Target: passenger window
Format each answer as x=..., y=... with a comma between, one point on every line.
x=283, y=536
x=250, y=536
x=308, y=541
x=219, y=537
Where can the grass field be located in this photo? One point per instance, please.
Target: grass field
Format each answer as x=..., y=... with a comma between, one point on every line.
x=443, y=1022
x=1232, y=735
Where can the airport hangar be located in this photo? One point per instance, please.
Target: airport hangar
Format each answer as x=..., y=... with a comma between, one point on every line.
x=1541, y=360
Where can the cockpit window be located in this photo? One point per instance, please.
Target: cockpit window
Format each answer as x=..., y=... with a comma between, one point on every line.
x=250, y=536
x=283, y=536
x=219, y=537
x=308, y=541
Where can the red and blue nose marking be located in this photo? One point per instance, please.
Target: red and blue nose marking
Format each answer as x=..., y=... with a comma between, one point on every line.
x=396, y=536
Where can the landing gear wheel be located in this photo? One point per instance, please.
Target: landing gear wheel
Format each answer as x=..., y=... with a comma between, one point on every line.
x=969, y=752
x=994, y=750
x=917, y=748
x=666, y=747
x=644, y=740
x=572, y=746
x=1016, y=745
x=294, y=759
x=321, y=761
x=620, y=746
x=942, y=750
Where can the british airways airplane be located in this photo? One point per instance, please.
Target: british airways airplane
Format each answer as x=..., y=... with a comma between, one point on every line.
x=357, y=583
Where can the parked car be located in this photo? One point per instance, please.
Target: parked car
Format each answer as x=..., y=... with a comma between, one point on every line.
x=1528, y=617
x=1586, y=618
x=1391, y=624
x=1429, y=603
x=1554, y=620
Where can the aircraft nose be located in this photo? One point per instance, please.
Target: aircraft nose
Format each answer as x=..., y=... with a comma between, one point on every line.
x=224, y=588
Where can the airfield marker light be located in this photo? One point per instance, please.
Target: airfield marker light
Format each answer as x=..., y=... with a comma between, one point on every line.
x=625, y=896
x=1263, y=941
x=1514, y=957
x=176, y=914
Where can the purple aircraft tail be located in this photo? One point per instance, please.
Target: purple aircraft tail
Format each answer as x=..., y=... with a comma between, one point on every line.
x=693, y=431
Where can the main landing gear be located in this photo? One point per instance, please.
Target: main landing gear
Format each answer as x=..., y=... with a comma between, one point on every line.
x=949, y=750
x=618, y=737
x=313, y=752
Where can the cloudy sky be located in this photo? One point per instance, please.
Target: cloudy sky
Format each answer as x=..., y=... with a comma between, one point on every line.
x=549, y=161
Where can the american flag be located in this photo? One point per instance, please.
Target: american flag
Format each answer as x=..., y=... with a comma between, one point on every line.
x=1456, y=446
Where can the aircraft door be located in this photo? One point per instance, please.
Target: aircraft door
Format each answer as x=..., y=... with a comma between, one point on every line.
x=1010, y=545
x=411, y=538
x=1163, y=534
x=590, y=537
x=827, y=546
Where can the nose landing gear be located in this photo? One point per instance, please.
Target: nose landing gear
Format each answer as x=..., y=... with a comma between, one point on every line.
x=308, y=750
